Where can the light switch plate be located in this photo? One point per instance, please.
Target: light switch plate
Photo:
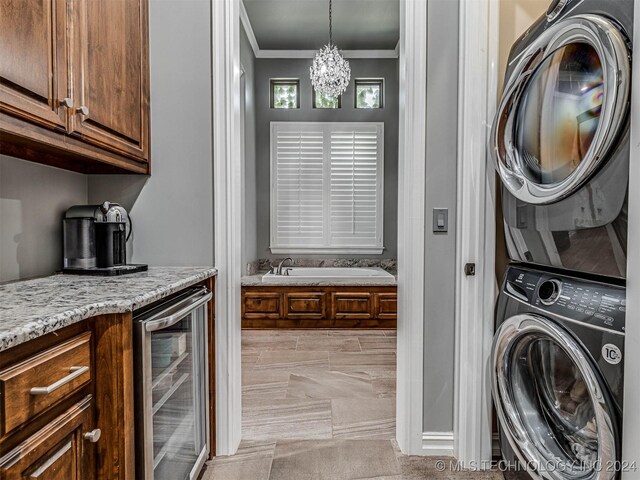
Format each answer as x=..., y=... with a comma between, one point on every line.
x=440, y=220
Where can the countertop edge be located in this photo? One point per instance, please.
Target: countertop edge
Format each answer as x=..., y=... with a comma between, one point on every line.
x=35, y=329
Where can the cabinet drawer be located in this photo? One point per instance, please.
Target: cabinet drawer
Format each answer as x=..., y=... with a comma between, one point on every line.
x=262, y=305
x=312, y=305
x=386, y=306
x=43, y=380
x=351, y=305
x=59, y=451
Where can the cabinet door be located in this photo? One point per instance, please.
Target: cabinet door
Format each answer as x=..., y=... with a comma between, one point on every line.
x=58, y=451
x=260, y=305
x=34, y=61
x=303, y=305
x=111, y=85
x=386, y=306
x=351, y=306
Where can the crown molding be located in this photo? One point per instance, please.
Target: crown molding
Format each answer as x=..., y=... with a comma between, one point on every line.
x=246, y=23
x=244, y=18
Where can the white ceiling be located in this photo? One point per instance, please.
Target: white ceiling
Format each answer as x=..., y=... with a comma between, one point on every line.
x=304, y=24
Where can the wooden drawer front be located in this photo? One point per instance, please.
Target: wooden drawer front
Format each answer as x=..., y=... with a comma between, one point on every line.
x=262, y=305
x=387, y=305
x=56, y=452
x=351, y=305
x=310, y=305
x=64, y=369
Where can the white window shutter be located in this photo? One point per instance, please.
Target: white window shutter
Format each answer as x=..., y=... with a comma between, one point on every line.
x=327, y=187
x=356, y=185
x=299, y=186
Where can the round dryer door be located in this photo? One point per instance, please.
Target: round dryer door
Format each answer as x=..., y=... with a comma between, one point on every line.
x=563, y=107
x=552, y=406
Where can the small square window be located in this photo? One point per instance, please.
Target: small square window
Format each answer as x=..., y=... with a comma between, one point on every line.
x=320, y=100
x=369, y=93
x=285, y=93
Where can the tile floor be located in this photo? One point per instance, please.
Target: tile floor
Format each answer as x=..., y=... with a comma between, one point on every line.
x=320, y=405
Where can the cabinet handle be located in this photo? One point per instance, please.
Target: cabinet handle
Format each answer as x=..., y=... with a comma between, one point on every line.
x=66, y=102
x=75, y=373
x=83, y=110
x=93, y=436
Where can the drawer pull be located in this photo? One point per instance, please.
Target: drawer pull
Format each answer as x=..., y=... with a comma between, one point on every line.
x=75, y=373
x=93, y=436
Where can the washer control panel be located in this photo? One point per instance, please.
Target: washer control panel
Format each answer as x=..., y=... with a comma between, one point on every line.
x=599, y=304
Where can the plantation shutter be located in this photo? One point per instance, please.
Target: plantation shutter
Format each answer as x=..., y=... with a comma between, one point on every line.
x=355, y=193
x=326, y=187
x=299, y=183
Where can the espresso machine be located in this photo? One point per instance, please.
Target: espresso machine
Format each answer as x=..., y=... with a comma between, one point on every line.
x=95, y=240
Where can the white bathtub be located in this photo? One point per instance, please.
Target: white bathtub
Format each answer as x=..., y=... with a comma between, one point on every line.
x=372, y=275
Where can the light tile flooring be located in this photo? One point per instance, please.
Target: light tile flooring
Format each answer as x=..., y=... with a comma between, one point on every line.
x=320, y=405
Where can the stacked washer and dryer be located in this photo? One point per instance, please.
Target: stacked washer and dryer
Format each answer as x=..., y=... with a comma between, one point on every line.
x=560, y=141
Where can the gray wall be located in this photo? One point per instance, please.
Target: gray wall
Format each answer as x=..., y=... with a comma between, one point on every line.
x=172, y=210
x=299, y=68
x=33, y=199
x=440, y=254
x=250, y=221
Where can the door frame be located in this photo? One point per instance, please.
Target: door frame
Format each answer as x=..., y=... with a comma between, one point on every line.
x=476, y=222
x=227, y=211
x=478, y=84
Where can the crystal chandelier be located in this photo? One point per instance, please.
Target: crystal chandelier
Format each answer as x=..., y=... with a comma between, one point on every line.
x=330, y=72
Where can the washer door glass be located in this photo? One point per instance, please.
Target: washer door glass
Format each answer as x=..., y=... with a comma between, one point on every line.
x=564, y=106
x=551, y=403
x=560, y=113
x=554, y=403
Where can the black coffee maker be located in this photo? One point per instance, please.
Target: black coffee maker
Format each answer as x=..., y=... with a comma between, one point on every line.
x=95, y=240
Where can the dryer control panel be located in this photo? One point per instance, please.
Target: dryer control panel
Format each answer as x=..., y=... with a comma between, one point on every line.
x=599, y=304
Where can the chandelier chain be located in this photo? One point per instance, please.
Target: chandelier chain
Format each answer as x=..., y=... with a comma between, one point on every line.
x=330, y=25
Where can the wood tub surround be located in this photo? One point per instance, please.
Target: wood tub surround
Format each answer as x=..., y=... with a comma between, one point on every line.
x=74, y=84
x=340, y=306
x=82, y=426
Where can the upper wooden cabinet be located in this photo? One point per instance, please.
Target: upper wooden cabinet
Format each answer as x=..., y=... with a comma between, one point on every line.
x=74, y=83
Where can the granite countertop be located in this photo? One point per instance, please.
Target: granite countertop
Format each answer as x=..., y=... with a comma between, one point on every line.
x=32, y=308
x=256, y=281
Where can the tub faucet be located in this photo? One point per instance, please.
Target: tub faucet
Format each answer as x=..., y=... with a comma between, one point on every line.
x=278, y=269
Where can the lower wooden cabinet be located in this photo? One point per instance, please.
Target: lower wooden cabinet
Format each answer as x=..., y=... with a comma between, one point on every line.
x=319, y=307
x=61, y=450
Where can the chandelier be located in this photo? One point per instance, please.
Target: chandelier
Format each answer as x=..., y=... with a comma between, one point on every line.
x=330, y=72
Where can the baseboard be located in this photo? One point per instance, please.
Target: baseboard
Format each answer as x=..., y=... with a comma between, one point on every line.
x=438, y=444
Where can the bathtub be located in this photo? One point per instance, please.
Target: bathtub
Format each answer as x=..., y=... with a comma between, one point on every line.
x=328, y=275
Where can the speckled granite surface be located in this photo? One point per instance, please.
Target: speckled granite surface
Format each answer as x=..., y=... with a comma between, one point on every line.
x=32, y=308
x=256, y=281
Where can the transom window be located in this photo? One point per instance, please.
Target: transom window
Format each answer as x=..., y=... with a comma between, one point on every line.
x=327, y=187
x=369, y=93
x=320, y=100
x=284, y=93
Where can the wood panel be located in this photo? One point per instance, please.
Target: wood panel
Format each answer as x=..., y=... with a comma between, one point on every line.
x=351, y=305
x=111, y=77
x=34, y=60
x=19, y=403
x=114, y=395
x=56, y=452
x=261, y=305
x=345, y=307
x=305, y=305
x=386, y=305
x=211, y=310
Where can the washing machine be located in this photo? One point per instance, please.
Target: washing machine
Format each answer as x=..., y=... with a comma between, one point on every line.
x=560, y=138
x=557, y=375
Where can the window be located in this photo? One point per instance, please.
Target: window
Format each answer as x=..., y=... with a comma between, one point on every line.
x=285, y=93
x=320, y=100
x=369, y=93
x=326, y=187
